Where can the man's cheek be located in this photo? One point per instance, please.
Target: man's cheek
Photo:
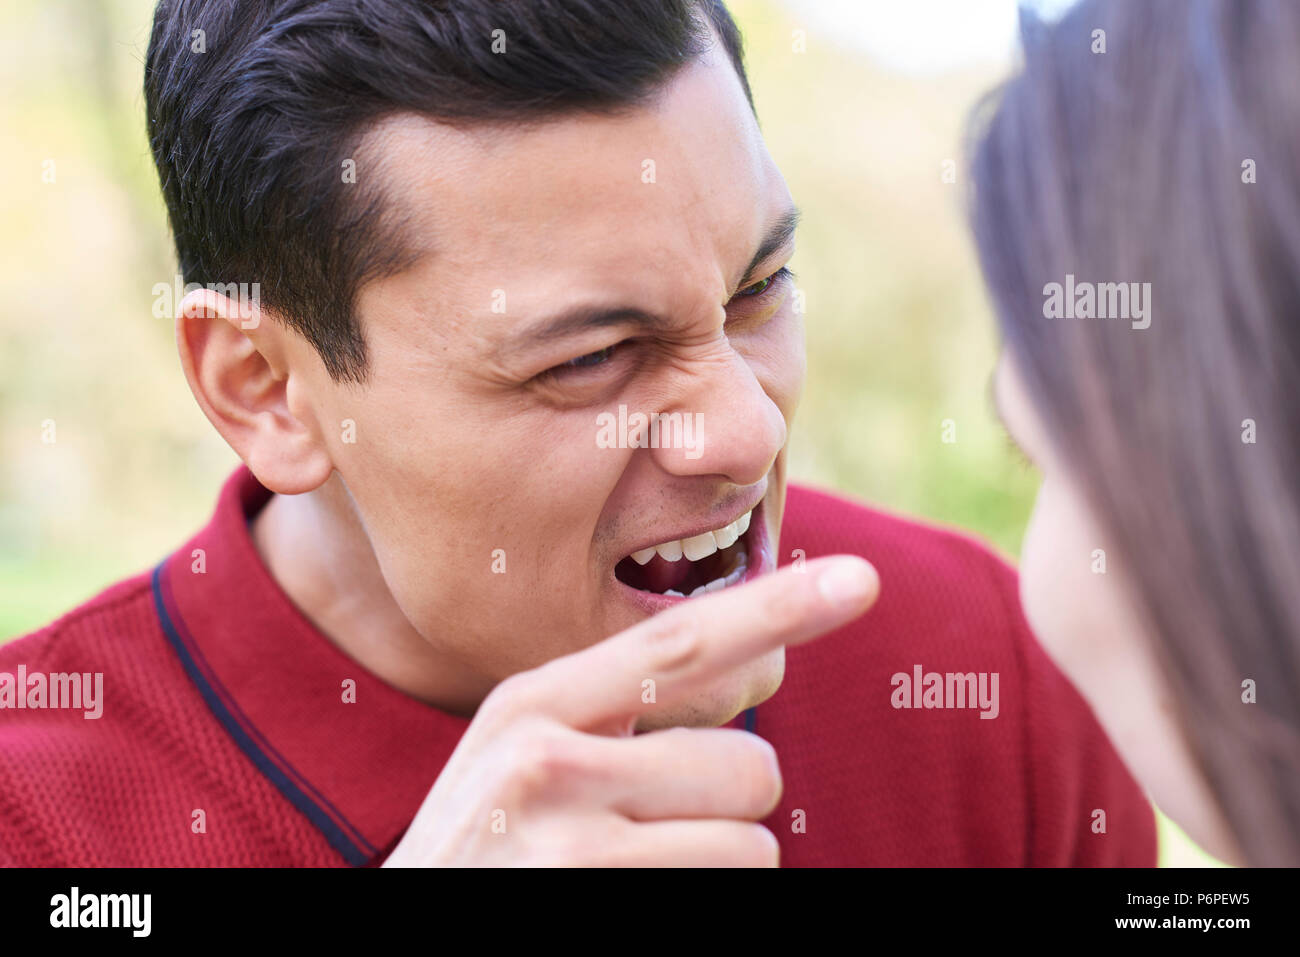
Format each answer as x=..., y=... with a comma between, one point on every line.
x=781, y=373
x=789, y=368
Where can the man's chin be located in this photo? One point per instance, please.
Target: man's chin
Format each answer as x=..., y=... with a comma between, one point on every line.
x=742, y=689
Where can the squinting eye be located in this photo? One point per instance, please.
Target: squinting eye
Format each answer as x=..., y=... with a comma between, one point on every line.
x=763, y=285
x=590, y=359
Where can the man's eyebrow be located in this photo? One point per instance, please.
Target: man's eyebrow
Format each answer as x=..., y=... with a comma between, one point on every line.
x=583, y=318
x=580, y=319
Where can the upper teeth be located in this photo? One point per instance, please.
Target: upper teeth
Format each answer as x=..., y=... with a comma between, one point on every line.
x=698, y=546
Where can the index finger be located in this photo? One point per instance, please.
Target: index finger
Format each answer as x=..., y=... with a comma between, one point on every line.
x=689, y=646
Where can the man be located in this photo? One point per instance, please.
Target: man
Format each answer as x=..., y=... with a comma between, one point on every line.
x=519, y=378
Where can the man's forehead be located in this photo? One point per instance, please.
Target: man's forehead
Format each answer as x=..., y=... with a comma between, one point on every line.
x=692, y=154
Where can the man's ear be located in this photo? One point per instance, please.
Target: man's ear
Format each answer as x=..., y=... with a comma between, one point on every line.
x=235, y=359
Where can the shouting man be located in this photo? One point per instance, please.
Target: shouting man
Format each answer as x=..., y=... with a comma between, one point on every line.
x=513, y=395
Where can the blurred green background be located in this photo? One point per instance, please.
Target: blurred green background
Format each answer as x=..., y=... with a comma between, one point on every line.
x=900, y=336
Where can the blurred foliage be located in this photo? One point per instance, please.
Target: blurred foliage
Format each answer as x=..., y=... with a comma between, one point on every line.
x=134, y=465
x=899, y=332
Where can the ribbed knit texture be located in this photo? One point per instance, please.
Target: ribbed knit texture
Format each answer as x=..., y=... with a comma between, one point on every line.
x=121, y=790
x=875, y=785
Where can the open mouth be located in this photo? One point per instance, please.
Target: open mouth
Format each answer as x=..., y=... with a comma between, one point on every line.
x=686, y=568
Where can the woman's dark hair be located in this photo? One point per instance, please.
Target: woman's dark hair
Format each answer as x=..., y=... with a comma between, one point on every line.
x=254, y=105
x=1172, y=158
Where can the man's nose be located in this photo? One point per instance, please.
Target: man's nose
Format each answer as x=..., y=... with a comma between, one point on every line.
x=730, y=425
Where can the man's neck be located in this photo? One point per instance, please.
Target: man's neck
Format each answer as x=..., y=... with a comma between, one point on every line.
x=317, y=550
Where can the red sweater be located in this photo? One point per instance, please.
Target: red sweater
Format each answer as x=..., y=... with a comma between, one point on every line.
x=224, y=739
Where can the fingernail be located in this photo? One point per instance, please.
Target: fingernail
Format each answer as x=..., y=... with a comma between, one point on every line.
x=846, y=582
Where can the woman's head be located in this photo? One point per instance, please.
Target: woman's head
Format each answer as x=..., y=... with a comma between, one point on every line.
x=1137, y=211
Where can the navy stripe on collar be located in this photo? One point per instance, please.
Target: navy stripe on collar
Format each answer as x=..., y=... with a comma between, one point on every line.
x=352, y=852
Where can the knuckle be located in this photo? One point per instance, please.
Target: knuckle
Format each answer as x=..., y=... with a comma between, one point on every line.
x=673, y=643
x=507, y=698
x=543, y=759
x=511, y=688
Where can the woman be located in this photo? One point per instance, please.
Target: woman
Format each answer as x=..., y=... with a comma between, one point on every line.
x=1159, y=143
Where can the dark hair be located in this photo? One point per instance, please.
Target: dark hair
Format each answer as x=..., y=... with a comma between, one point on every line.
x=1171, y=158
x=250, y=134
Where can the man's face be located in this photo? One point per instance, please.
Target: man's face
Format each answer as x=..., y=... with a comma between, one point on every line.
x=479, y=464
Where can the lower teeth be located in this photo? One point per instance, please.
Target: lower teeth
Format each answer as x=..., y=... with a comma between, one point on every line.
x=717, y=584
